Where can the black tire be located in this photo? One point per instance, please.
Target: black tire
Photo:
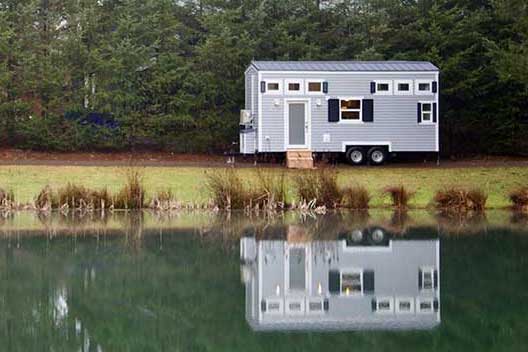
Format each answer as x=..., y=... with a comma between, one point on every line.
x=355, y=156
x=377, y=155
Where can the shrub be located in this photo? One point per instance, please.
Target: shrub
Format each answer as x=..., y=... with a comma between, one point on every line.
x=7, y=198
x=132, y=195
x=320, y=185
x=461, y=199
x=227, y=189
x=45, y=199
x=355, y=197
x=519, y=198
x=271, y=188
x=399, y=195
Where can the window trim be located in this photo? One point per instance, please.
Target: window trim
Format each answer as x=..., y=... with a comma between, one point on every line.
x=279, y=301
x=422, y=121
x=417, y=83
x=391, y=305
x=273, y=92
x=402, y=92
x=420, y=300
x=307, y=83
x=287, y=82
x=360, y=110
x=404, y=299
x=299, y=301
x=389, y=92
x=430, y=270
x=310, y=300
x=351, y=271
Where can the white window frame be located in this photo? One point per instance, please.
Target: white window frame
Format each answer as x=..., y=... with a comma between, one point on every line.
x=314, y=300
x=308, y=81
x=300, y=301
x=391, y=305
x=360, y=110
x=389, y=92
x=273, y=92
x=269, y=301
x=294, y=92
x=404, y=299
x=422, y=121
x=424, y=300
x=351, y=271
x=417, y=83
x=427, y=269
x=402, y=92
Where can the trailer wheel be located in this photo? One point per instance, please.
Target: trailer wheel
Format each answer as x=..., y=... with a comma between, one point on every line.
x=355, y=156
x=377, y=155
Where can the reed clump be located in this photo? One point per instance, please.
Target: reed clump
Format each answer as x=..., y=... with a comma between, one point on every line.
x=319, y=187
x=132, y=195
x=227, y=189
x=519, y=198
x=7, y=199
x=45, y=199
x=400, y=196
x=460, y=199
x=270, y=189
x=164, y=200
x=79, y=197
x=355, y=197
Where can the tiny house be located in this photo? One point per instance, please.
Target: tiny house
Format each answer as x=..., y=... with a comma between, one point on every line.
x=341, y=284
x=366, y=110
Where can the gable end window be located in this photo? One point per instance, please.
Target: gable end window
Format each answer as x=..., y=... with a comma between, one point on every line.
x=383, y=88
x=403, y=87
x=350, y=109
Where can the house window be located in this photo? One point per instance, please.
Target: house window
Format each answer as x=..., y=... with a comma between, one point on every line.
x=425, y=305
x=274, y=306
x=315, y=306
x=314, y=87
x=404, y=305
x=403, y=87
x=385, y=305
x=294, y=86
x=274, y=87
x=383, y=87
x=294, y=306
x=423, y=87
x=427, y=112
x=350, y=110
x=351, y=282
x=427, y=281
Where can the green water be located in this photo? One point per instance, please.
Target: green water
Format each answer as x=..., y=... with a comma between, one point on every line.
x=173, y=283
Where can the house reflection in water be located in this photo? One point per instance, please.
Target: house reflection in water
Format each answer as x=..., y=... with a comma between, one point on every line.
x=365, y=280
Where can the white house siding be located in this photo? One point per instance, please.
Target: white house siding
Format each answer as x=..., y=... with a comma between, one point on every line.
x=395, y=119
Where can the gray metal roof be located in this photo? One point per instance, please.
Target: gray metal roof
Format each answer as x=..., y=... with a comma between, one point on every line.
x=344, y=66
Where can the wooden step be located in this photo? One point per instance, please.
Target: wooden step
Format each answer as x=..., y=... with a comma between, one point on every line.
x=299, y=159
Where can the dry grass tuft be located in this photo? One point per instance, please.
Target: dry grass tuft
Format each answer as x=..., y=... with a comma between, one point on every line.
x=132, y=195
x=355, y=197
x=460, y=199
x=271, y=189
x=44, y=200
x=519, y=198
x=7, y=199
x=399, y=195
x=227, y=189
x=319, y=186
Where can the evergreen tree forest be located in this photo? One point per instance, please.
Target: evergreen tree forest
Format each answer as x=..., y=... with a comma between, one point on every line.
x=169, y=74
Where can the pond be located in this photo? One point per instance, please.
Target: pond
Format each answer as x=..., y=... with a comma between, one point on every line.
x=213, y=281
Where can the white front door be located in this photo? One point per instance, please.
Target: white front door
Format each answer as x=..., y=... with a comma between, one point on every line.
x=297, y=124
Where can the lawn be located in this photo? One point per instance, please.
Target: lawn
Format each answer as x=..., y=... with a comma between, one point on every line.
x=188, y=183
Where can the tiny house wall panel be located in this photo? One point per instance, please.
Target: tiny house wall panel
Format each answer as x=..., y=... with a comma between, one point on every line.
x=395, y=123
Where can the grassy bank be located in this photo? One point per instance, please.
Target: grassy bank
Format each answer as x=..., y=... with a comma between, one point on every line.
x=188, y=183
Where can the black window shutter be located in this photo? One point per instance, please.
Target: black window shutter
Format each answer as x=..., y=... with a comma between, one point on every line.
x=325, y=87
x=326, y=305
x=368, y=281
x=435, y=278
x=333, y=110
x=419, y=112
x=435, y=87
x=373, y=87
x=263, y=305
x=368, y=110
x=334, y=282
x=374, y=304
x=434, y=112
x=435, y=305
x=262, y=86
x=419, y=279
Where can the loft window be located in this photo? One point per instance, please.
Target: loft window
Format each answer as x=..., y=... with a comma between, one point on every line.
x=294, y=86
x=385, y=305
x=383, y=87
x=274, y=86
x=404, y=305
x=351, y=283
x=403, y=87
x=350, y=109
x=425, y=305
x=424, y=87
x=315, y=87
